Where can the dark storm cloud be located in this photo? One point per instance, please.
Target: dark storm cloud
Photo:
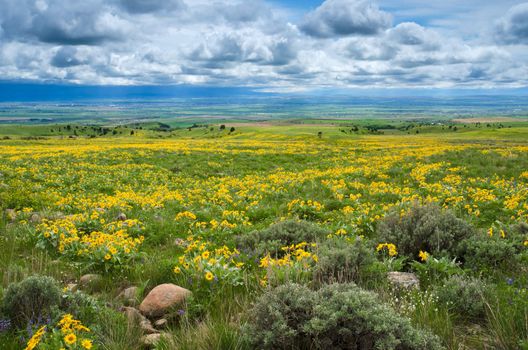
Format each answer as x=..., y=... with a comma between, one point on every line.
x=60, y=22
x=149, y=6
x=336, y=18
x=233, y=47
x=513, y=27
x=66, y=57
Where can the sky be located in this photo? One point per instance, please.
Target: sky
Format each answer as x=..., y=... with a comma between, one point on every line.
x=274, y=46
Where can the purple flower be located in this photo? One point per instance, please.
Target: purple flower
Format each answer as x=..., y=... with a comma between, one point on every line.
x=5, y=325
x=181, y=312
x=509, y=281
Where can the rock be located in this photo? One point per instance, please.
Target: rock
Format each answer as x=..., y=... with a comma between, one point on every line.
x=72, y=287
x=161, y=323
x=151, y=340
x=35, y=218
x=90, y=280
x=11, y=214
x=162, y=298
x=129, y=293
x=404, y=279
x=134, y=317
x=122, y=217
x=129, y=296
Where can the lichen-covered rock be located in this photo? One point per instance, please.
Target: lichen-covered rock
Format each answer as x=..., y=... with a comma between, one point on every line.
x=404, y=279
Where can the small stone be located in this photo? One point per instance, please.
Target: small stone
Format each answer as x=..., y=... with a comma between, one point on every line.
x=35, y=218
x=404, y=279
x=161, y=323
x=122, y=217
x=89, y=280
x=129, y=293
x=162, y=298
x=11, y=214
x=151, y=340
x=134, y=317
x=129, y=296
x=72, y=287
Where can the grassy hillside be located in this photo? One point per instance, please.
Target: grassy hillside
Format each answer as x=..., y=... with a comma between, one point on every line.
x=194, y=206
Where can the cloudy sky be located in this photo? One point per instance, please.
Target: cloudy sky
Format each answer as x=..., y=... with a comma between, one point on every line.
x=277, y=45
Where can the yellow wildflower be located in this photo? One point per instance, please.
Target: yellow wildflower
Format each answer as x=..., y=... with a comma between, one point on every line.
x=87, y=344
x=423, y=255
x=70, y=339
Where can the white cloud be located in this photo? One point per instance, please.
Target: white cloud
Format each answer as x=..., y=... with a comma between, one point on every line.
x=248, y=43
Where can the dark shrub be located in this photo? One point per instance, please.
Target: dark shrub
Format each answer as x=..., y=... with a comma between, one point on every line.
x=463, y=295
x=279, y=235
x=35, y=297
x=338, y=316
x=344, y=261
x=426, y=228
x=484, y=252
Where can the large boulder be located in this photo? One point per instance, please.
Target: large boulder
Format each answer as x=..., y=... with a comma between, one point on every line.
x=162, y=298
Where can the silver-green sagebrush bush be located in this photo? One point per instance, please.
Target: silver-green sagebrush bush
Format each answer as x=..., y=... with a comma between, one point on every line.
x=337, y=316
x=424, y=228
x=35, y=297
x=340, y=260
x=464, y=296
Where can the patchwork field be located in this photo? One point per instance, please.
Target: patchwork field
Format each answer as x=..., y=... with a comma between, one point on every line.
x=237, y=218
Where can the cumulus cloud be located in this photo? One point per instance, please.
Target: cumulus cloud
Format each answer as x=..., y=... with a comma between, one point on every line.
x=410, y=33
x=248, y=43
x=149, y=6
x=336, y=18
x=66, y=57
x=513, y=27
x=61, y=22
x=222, y=49
x=245, y=11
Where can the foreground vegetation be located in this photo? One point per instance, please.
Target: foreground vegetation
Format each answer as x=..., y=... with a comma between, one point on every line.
x=285, y=237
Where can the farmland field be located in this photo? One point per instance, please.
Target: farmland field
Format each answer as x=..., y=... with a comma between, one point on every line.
x=146, y=209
